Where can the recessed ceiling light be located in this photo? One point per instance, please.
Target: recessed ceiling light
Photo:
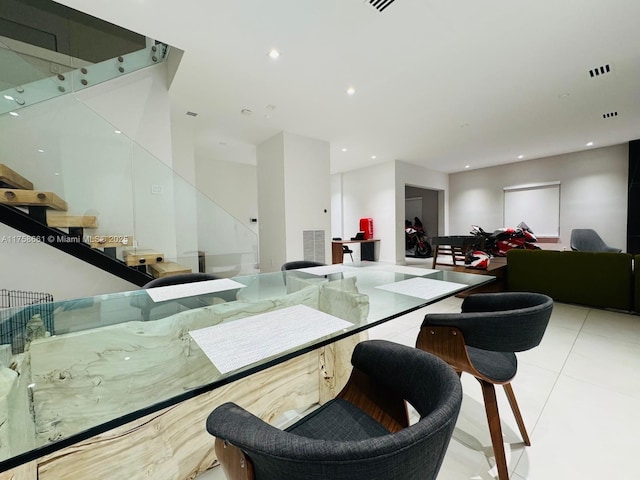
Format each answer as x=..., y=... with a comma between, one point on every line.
x=588, y=144
x=246, y=111
x=8, y=97
x=40, y=150
x=274, y=53
x=520, y=157
x=270, y=107
x=344, y=149
x=117, y=131
x=373, y=157
x=467, y=166
x=14, y=114
x=351, y=91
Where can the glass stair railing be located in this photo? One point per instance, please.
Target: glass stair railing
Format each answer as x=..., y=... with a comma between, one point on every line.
x=118, y=197
x=27, y=78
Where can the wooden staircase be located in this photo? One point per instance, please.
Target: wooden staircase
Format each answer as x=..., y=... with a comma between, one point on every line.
x=49, y=209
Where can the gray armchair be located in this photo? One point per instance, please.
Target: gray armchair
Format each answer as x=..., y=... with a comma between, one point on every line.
x=362, y=434
x=481, y=341
x=588, y=240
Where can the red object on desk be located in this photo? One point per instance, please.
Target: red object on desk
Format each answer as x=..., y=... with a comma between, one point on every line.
x=366, y=226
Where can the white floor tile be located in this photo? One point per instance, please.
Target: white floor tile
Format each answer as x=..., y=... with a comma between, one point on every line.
x=586, y=432
x=606, y=362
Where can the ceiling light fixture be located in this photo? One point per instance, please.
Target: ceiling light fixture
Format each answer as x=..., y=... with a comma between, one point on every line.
x=246, y=111
x=588, y=144
x=520, y=157
x=274, y=54
x=8, y=97
x=117, y=131
x=40, y=150
x=467, y=166
x=14, y=114
x=344, y=149
x=351, y=91
x=373, y=157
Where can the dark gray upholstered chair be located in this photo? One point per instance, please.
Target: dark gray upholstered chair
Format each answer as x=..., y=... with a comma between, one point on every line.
x=363, y=434
x=588, y=240
x=296, y=265
x=145, y=304
x=482, y=340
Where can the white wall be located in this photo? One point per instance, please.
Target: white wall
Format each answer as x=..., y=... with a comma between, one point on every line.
x=37, y=267
x=293, y=196
x=271, y=201
x=307, y=199
x=593, y=192
x=369, y=192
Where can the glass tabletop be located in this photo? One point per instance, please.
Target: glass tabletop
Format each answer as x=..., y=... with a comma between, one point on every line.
x=76, y=368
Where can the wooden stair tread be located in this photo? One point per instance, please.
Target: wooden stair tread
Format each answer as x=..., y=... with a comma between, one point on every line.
x=134, y=258
x=11, y=179
x=29, y=198
x=159, y=270
x=73, y=221
x=110, y=241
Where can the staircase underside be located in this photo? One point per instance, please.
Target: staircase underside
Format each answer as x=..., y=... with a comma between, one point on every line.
x=21, y=221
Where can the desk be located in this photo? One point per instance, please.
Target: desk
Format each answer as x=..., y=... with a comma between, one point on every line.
x=367, y=249
x=110, y=396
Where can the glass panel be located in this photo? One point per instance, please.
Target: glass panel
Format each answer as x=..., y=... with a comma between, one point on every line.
x=66, y=148
x=39, y=75
x=89, y=361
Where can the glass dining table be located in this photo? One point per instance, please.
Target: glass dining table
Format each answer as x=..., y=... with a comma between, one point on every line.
x=118, y=385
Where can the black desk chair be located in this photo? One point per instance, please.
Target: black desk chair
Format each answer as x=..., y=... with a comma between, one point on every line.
x=345, y=248
x=363, y=434
x=482, y=340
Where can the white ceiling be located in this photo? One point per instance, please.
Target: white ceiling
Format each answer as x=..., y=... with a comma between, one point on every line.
x=439, y=83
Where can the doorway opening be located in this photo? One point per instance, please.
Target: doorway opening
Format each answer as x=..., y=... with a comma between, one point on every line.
x=422, y=220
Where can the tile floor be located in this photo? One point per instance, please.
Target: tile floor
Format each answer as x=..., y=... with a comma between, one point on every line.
x=579, y=393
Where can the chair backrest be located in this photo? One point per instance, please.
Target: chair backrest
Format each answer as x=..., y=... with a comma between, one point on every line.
x=588, y=240
x=413, y=453
x=500, y=322
x=297, y=264
x=179, y=279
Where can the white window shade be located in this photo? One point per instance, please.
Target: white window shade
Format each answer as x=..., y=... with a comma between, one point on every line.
x=537, y=205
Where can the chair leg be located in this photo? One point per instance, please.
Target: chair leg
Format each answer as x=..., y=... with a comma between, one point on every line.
x=493, y=418
x=351, y=255
x=516, y=413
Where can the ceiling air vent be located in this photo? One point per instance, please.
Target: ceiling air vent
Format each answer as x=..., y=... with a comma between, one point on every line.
x=598, y=71
x=610, y=115
x=379, y=5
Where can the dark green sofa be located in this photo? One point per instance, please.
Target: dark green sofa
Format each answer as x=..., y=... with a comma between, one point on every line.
x=604, y=280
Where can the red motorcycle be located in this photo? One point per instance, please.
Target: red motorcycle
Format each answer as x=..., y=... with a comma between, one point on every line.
x=500, y=241
x=416, y=239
